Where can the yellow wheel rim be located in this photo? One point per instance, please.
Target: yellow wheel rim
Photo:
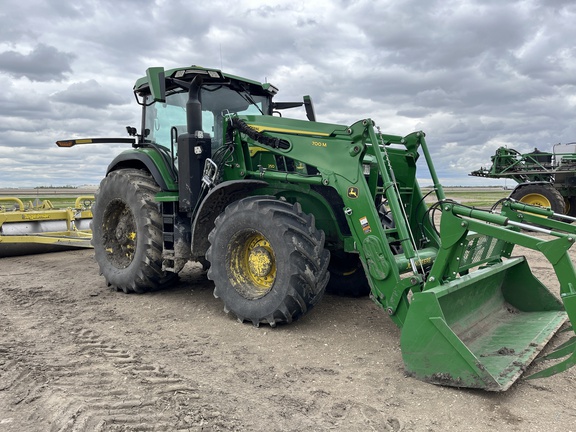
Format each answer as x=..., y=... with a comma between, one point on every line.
x=536, y=200
x=119, y=234
x=252, y=265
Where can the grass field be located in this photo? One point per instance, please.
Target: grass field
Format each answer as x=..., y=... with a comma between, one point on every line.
x=476, y=197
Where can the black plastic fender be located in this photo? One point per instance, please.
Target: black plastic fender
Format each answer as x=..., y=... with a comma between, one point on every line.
x=519, y=185
x=139, y=161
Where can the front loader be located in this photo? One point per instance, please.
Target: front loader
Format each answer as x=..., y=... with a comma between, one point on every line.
x=279, y=210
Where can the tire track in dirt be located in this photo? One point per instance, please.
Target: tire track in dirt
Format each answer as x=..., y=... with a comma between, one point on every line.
x=76, y=379
x=75, y=375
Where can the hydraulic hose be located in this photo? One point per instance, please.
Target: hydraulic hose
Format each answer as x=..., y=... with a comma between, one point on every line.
x=243, y=127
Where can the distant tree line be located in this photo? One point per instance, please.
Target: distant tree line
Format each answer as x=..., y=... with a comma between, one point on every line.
x=56, y=187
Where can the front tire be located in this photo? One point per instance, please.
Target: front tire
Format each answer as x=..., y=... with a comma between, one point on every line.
x=127, y=232
x=267, y=260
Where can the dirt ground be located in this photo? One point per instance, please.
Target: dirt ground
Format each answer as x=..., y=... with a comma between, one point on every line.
x=75, y=356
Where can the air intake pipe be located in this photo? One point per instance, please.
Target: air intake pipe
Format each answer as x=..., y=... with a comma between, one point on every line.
x=193, y=150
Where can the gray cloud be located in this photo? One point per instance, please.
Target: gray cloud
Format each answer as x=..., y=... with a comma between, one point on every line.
x=90, y=94
x=473, y=74
x=43, y=63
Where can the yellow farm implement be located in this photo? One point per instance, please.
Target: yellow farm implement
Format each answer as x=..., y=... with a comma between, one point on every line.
x=39, y=227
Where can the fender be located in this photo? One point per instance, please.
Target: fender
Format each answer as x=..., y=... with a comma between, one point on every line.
x=213, y=205
x=519, y=185
x=150, y=160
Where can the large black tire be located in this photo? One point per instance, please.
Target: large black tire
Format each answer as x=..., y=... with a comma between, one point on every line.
x=347, y=276
x=267, y=260
x=127, y=232
x=543, y=195
x=570, y=205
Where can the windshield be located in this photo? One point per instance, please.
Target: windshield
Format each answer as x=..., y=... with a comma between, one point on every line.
x=217, y=101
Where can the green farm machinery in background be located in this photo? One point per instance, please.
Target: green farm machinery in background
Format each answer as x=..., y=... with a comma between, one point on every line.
x=543, y=179
x=279, y=210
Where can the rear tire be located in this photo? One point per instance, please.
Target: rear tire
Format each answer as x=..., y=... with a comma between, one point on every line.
x=127, y=232
x=347, y=276
x=570, y=206
x=267, y=260
x=543, y=195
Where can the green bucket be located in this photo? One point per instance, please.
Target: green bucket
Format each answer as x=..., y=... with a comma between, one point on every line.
x=481, y=330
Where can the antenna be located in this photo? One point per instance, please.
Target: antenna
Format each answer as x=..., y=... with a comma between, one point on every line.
x=220, y=56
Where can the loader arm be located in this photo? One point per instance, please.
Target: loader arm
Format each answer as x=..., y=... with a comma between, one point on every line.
x=340, y=157
x=487, y=315
x=471, y=316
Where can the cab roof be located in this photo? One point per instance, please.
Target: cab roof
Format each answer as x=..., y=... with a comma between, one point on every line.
x=209, y=75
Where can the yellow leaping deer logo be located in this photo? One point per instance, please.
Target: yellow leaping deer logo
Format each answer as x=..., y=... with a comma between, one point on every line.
x=352, y=192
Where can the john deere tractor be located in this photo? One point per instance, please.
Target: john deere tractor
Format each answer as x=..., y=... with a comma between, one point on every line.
x=277, y=209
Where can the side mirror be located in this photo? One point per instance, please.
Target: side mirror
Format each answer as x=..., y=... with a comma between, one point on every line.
x=309, y=108
x=307, y=105
x=157, y=82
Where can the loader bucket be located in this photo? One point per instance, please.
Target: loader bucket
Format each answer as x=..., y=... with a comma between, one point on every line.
x=481, y=330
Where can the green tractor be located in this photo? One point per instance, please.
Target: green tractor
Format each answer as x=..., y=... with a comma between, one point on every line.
x=279, y=210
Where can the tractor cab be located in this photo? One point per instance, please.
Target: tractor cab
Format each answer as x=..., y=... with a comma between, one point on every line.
x=212, y=95
x=183, y=117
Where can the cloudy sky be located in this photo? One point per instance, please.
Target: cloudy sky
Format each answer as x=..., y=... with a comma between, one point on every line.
x=473, y=74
